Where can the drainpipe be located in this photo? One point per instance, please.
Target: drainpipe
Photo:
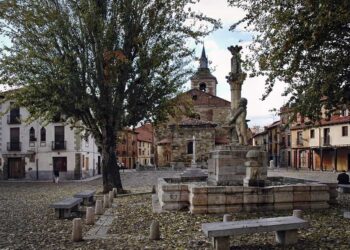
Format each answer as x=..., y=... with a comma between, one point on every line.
x=37, y=168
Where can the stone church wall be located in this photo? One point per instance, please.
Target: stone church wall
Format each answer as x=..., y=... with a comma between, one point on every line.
x=181, y=138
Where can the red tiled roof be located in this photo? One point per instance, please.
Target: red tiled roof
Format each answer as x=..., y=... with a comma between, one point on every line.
x=273, y=124
x=145, y=133
x=324, y=122
x=260, y=133
x=164, y=141
x=206, y=99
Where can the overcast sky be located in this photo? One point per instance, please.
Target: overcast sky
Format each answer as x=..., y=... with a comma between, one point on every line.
x=216, y=47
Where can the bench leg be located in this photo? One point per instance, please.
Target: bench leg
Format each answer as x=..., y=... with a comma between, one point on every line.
x=287, y=237
x=221, y=243
x=58, y=213
x=67, y=213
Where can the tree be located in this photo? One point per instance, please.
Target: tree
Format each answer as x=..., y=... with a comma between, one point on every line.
x=305, y=43
x=107, y=64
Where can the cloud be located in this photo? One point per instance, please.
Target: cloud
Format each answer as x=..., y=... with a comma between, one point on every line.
x=219, y=9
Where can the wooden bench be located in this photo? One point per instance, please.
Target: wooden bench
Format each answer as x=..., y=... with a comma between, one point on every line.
x=344, y=188
x=87, y=196
x=64, y=208
x=286, y=229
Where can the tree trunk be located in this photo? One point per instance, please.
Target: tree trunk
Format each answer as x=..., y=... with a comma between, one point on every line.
x=110, y=169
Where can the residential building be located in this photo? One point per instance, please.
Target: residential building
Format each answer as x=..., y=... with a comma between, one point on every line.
x=34, y=150
x=127, y=148
x=261, y=139
x=324, y=145
x=273, y=141
x=145, y=148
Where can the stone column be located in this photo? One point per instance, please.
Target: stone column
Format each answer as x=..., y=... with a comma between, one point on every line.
x=77, y=233
x=106, y=202
x=90, y=216
x=111, y=196
x=236, y=89
x=193, y=163
x=98, y=207
x=154, y=233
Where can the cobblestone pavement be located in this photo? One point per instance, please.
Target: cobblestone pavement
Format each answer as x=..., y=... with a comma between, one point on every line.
x=27, y=221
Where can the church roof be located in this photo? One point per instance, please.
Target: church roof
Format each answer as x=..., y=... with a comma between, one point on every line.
x=201, y=98
x=203, y=61
x=192, y=122
x=203, y=73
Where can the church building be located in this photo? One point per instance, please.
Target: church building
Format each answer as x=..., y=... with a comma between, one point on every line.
x=205, y=129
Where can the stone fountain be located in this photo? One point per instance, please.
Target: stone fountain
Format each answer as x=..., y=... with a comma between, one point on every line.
x=237, y=173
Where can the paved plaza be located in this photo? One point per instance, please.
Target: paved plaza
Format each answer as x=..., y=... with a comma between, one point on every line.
x=27, y=222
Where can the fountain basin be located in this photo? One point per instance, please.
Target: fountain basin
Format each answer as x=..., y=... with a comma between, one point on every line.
x=201, y=198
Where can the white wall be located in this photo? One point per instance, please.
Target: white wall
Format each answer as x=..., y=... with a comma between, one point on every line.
x=43, y=158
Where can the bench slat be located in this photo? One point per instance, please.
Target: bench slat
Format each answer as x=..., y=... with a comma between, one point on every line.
x=222, y=229
x=67, y=203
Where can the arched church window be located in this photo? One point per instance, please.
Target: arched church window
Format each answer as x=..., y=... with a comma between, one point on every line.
x=190, y=147
x=203, y=87
x=32, y=134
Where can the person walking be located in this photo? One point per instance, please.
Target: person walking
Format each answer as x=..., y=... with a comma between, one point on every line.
x=56, y=174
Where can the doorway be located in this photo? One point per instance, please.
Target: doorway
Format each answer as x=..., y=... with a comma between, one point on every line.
x=60, y=164
x=15, y=168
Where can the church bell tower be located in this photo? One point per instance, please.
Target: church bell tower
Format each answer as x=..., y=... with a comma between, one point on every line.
x=203, y=79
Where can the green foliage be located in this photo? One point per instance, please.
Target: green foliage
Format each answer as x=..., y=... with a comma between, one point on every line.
x=97, y=61
x=107, y=63
x=305, y=44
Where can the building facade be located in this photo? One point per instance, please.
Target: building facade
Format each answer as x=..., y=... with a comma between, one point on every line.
x=145, y=145
x=33, y=151
x=322, y=146
x=299, y=143
x=127, y=148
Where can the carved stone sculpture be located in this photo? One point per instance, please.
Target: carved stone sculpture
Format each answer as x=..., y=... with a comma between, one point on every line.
x=236, y=59
x=239, y=121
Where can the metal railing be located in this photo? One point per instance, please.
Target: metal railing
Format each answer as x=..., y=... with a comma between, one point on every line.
x=300, y=142
x=14, y=146
x=58, y=145
x=13, y=119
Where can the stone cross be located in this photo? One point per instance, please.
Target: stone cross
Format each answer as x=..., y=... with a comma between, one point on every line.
x=194, y=150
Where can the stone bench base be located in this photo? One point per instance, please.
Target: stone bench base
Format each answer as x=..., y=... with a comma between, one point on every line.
x=87, y=196
x=64, y=213
x=64, y=208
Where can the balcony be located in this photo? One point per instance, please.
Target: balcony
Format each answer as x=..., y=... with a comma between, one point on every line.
x=300, y=142
x=58, y=145
x=13, y=119
x=13, y=146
